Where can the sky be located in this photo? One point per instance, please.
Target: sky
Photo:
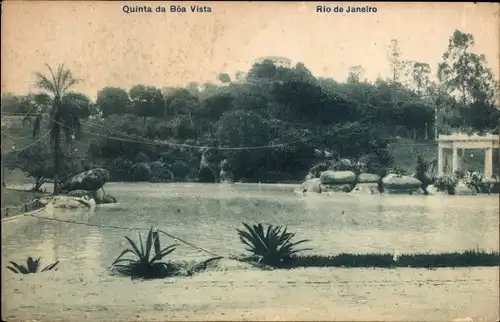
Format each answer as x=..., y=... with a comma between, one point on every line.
x=103, y=46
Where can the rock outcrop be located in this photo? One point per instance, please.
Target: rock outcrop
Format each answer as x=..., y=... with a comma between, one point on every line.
x=311, y=185
x=338, y=177
x=90, y=180
x=99, y=196
x=396, y=184
x=366, y=189
x=68, y=202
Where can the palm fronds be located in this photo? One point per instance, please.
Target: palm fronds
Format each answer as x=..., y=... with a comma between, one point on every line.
x=31, y=266
x=273, y=246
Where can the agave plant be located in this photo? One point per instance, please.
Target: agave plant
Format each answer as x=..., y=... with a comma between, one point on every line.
x=31, y=266
x=273, y=247
x=145, y=264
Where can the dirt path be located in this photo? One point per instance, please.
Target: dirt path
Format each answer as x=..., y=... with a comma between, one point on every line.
x=249, y=294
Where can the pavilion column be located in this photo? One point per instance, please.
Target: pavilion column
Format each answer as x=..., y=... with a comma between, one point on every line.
x=440, y=161
x=454, y=161
x=488, y=163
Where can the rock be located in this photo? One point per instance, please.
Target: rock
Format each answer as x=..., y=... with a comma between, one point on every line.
x=366, y=188
x=395, y=184
x=101, y=197
x=461, y=189
x=42, y=202
x=108, y=199
x=336, y=187
x=368, y=178
x=311, y=185
x=90, y=180
x=226, y=176
x=338, y=177
x=68, y=202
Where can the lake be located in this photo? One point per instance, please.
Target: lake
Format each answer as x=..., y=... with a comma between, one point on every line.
x=208, y=214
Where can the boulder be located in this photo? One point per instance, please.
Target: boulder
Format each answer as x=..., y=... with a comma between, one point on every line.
x=80, y=193
x=396, y=184
x=226, y=176
x=338, y=177
x=366, y=188
x=90, y=180
x=462, y=189
x=101, y=197
x=336, y=187
x=311, y=185
x=368, y=178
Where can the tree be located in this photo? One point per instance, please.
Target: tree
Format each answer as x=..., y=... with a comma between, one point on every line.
x=355, y=74
x=463, y=72
x=37, y=161
x=420, y=74
x=224, y=78
x=63, y=111
x=395, y=60
x=12, y=103
x=113, y=100
x=147, y=101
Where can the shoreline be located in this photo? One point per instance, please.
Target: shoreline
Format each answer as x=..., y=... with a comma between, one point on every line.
x=245, y=293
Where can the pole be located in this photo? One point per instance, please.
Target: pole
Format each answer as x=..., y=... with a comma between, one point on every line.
x=435, y=123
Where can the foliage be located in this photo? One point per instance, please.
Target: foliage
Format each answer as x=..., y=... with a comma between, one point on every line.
x=113, y=100
x=421, y=172
x=467, y=258
x=31, y=266
x=146, y=264
x=446, y=183
x=478, y=183
x=37, y=162
x=62, y=108
x=283, y=113
x=273, y=247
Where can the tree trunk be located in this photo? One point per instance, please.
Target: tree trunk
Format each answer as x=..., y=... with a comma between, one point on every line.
x=57, y=156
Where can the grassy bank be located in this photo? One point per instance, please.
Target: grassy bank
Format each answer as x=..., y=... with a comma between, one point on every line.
x=468, y=258
x=15, y=201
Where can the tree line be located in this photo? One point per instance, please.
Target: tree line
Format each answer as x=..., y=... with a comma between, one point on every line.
x=294, y=117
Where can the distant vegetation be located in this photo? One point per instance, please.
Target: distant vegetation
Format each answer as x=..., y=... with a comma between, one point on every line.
x=148, y=133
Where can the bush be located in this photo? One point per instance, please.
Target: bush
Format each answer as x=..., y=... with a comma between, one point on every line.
x=477, y=183
x=31, y=266
x=121, y=169
x=147, y=262
x=446, y=183
x=180, y=170
x=140, y=172
x=273, y=247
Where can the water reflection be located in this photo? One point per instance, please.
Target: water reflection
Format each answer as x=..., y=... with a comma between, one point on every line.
x=207, y=216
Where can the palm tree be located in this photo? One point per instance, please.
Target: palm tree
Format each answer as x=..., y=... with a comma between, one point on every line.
x=63, y=108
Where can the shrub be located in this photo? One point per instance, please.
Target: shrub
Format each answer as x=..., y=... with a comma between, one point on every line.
x=446, y=183
x=147, y=264
x=144, y=265
x=421, y=173
x=180, y=169
x=140, y=172
x=31, y=266
x=478, y=183
x=273, y=247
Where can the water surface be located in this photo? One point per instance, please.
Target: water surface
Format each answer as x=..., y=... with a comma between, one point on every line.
x=207, y=215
